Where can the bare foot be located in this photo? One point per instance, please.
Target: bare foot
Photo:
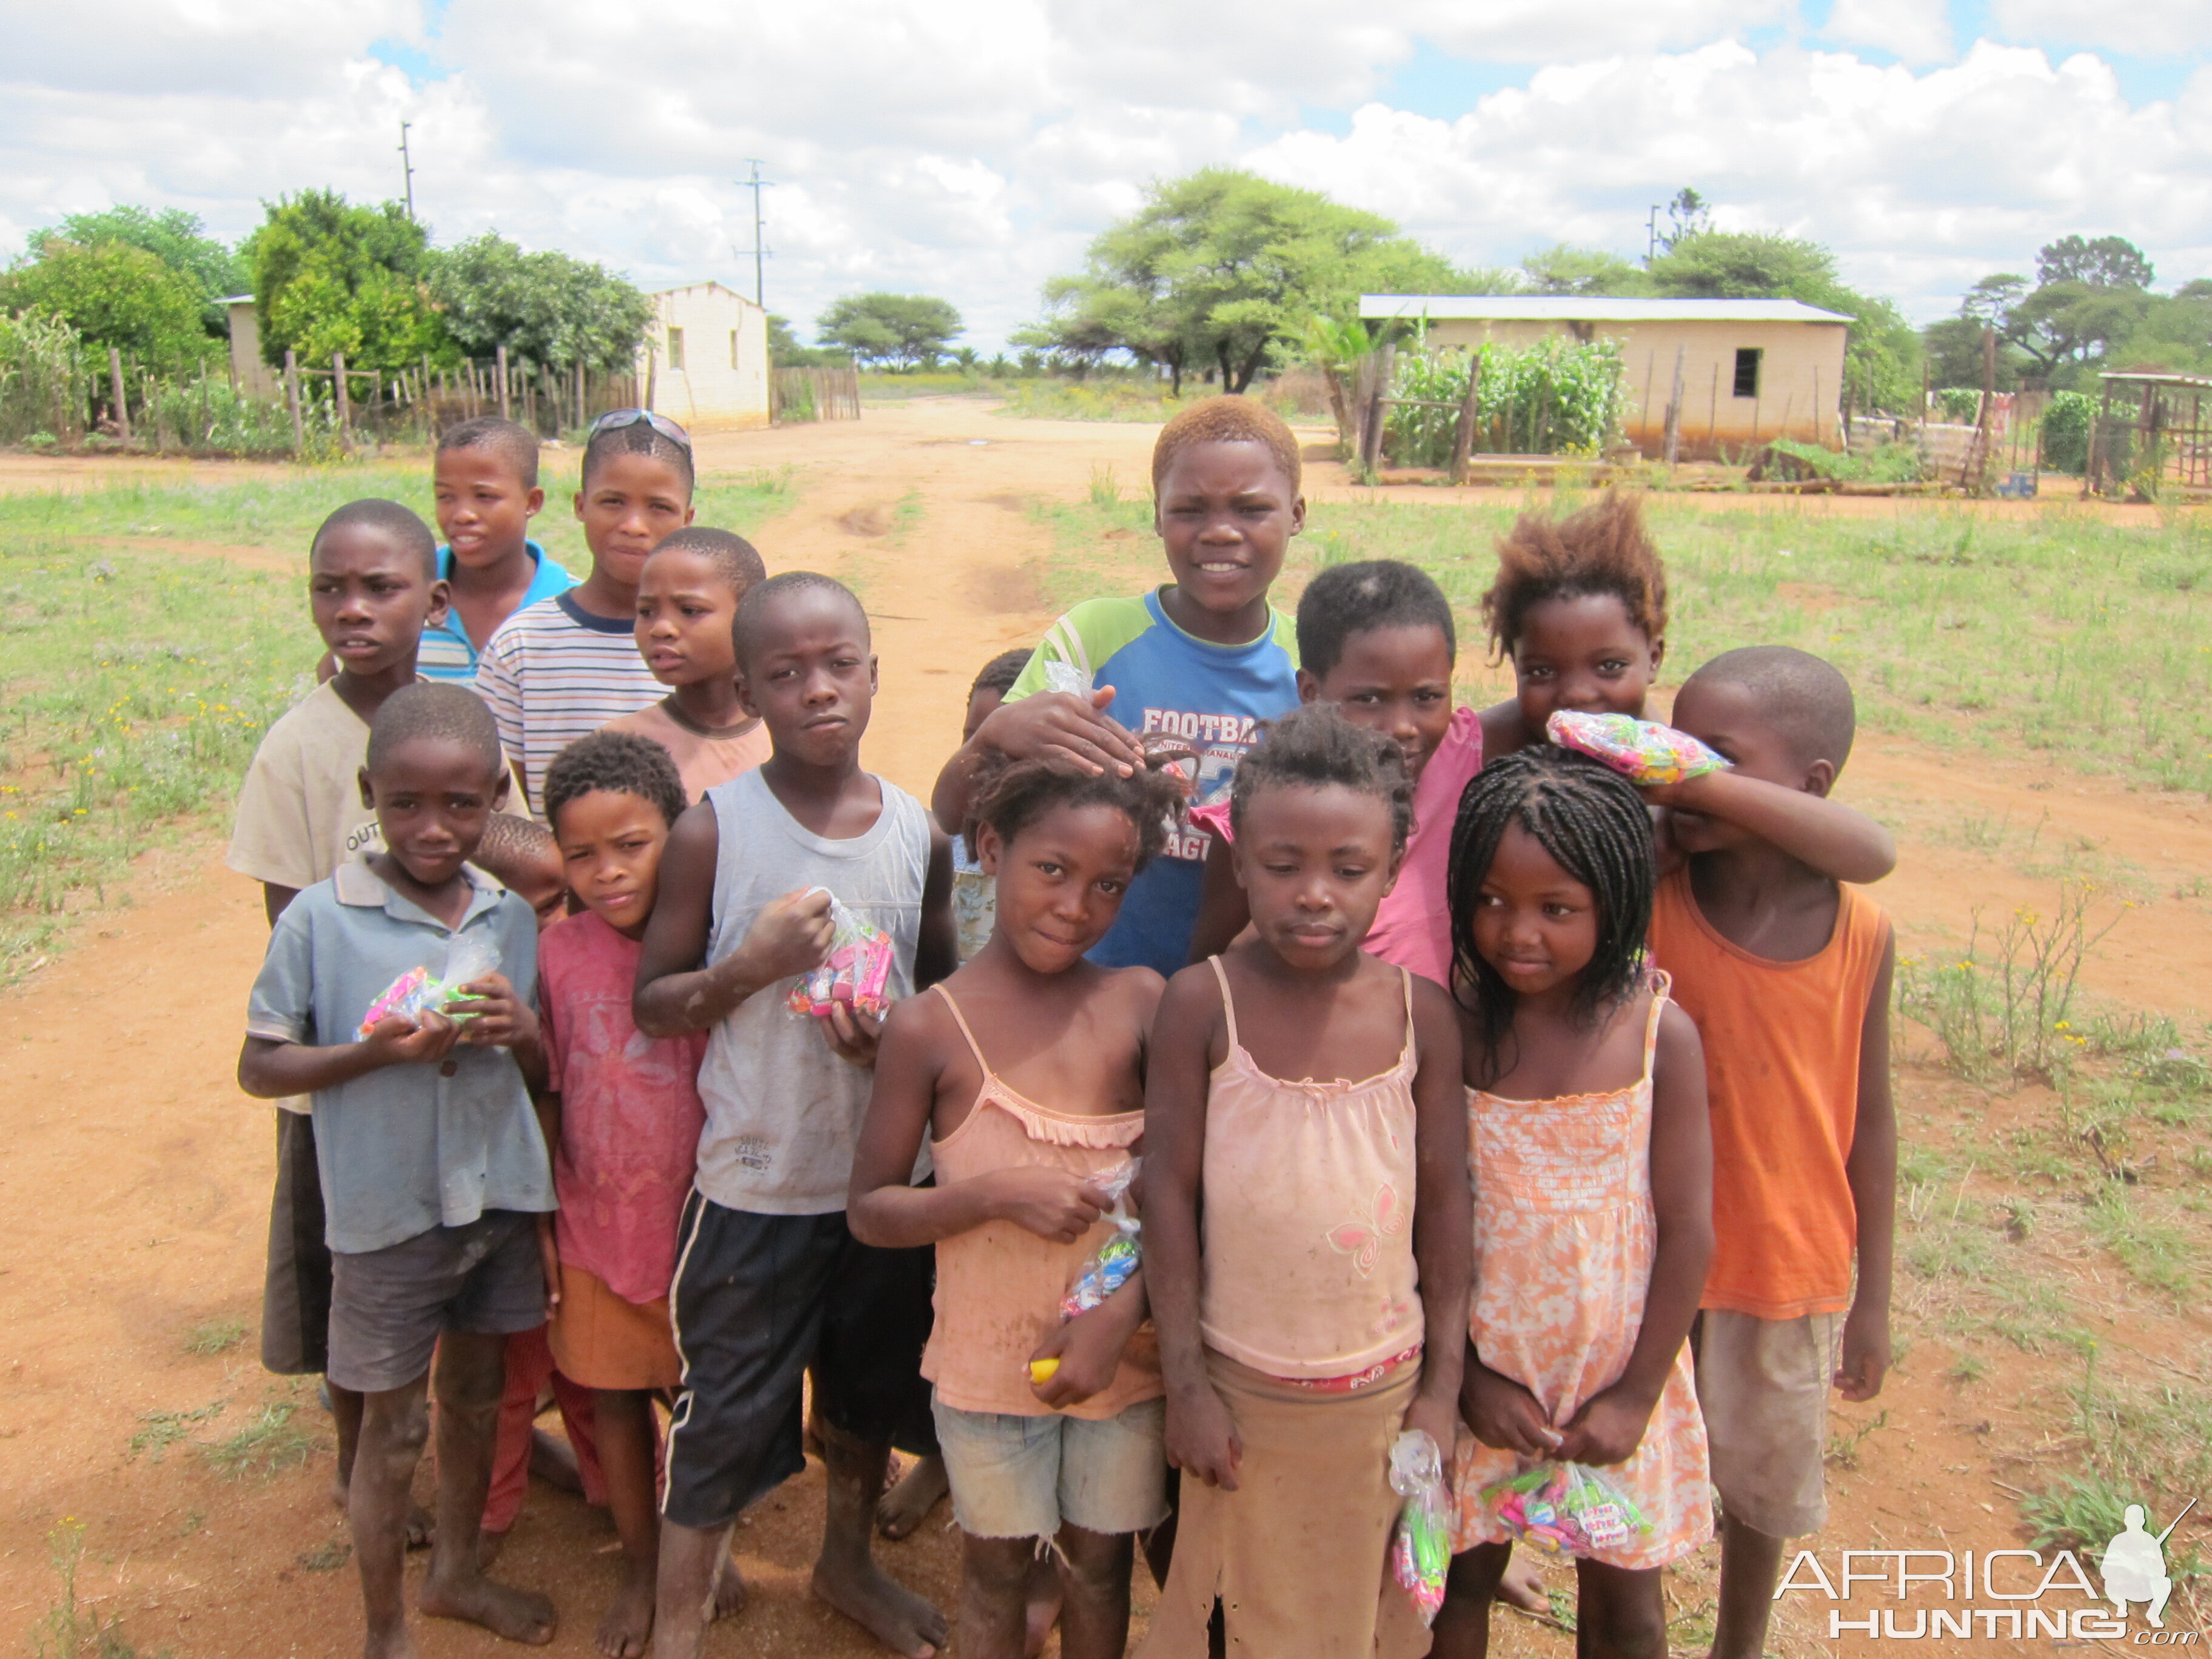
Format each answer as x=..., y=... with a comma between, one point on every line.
x=554, y=1461
x=886, y=1609
x=1523, y=1587
x=729, y=1589
x=394, y=1643
x=422, y=1530
x=628, y=1624
x=519, y=1615
x=912, y=1497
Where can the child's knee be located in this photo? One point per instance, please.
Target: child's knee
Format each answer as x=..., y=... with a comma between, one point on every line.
x=1095, y=1564
x=471, y=1374
x=998, y=1568
x=395, y=1427
x=1626, y=1619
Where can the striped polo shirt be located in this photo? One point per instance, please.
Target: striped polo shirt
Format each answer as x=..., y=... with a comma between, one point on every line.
x=555, y=672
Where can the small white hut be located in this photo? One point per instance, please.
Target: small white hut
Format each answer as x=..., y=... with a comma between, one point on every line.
x=705, y=363
x=254, y=378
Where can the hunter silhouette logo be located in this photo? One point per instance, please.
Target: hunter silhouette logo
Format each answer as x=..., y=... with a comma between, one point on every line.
x=2135, y=1566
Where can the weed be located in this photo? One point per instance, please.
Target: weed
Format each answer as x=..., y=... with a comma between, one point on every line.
x=334, y=1554
x=2076, y=1512
x=1967, y=1368
x=159, y=1431
x=2154, y=1252
x=270, y=1442
x=214, y=1336
x=1848, y=1441
x=1105, y=488
x=68, y=1630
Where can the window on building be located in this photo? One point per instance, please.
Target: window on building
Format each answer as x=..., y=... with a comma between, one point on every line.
x=733, y=347
x=1746, y=371
x=676, y=352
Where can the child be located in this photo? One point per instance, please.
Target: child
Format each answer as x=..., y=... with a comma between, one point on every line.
x=972, y=891
x=622, y=1114
x=563, y=667
x=1787, y=973
x=485, y=486
x=1376, y=640
x=373, y=588
x=1592, y=1172
x=769, y=1282
x=1203, y=658
x=1073, y=1461
x=520, y=853
x=1310, y=1321
x=432, y=1164
x=687, y=601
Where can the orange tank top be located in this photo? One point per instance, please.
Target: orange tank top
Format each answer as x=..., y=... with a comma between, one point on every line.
x=1781, y=1077
x=998, y=1286
x=1309, y=1187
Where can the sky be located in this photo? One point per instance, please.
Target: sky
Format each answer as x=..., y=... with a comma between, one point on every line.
x=971, y=149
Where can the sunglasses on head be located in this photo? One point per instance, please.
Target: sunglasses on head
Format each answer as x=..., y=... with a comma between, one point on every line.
x=616, y=419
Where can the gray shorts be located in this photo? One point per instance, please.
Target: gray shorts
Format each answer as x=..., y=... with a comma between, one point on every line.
x=1026, y=1477
x=387, y=1306
x=1764, y=1386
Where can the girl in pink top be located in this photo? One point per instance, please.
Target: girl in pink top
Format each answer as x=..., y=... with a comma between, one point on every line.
x=1375, y=639
x=1026, y=1069
x=1322, y=1306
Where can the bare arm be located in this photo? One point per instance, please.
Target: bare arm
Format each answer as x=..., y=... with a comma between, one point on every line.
x=1222, y=911
x=1442, y=1220
x=269, y=1069
x=275, y=899
x=1838, y=841
x=937, y=949
x=1069, y=733
x=1872, y=1171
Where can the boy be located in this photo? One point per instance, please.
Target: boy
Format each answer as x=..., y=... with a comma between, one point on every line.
x=1201, y=661
x=769, y=1283
x=687, y=609
x=431, y=1160
x=485, y=486
x=373, y=588
x=1787, y=973
x=563, y=667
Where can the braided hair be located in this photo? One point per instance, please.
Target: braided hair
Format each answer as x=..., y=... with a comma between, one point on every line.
x=1591, y=820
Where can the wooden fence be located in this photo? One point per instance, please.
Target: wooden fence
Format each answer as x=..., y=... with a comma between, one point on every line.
x=814, y=394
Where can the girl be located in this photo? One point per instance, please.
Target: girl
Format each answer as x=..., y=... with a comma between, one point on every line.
x=1026, y=1067
x=1309, y=1322
x=1592, y=1170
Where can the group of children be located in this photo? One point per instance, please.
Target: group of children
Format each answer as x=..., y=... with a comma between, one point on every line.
x=1441, y=1078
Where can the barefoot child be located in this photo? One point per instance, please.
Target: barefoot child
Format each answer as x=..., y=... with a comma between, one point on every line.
x=687, y=601
x=563, y=667
x=770, y=1283
x=1202, y=659
x=1321, y=1309
x=372, y=590
x=622, y=1114
x=1592, y=1172
x=1073, y=1460
x=432, y=1164
x=1787, y=973
x=486, y=492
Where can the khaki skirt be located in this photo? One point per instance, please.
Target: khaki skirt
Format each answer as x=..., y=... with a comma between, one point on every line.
x=605, y=1342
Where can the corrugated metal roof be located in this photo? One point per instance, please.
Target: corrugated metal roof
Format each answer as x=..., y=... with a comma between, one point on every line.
x=236, y=300
x=1586, y=308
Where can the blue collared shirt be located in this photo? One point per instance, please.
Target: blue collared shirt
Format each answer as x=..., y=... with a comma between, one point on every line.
x=406, y=1148
x=446, y=654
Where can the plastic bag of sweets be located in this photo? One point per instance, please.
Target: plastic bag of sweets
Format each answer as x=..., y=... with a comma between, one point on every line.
x=1565, y=1509
x=1420, y=1549
x=419, y=992
x=855, y=972
x=1110, y=1265
x=1643, y=751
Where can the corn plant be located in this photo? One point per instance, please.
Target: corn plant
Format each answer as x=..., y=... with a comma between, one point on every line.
x=1557, y=397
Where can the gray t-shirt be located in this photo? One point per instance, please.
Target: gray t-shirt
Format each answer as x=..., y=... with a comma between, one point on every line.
x=407, y=1148
x=783, y=1111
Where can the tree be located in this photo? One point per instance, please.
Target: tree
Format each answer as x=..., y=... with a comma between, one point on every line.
x=1565, y=269
x=1688, y=215
x=542, y=307
x=177, y=239
x=113, y=295
x=1218, y=268
x=910, y=329
x=1954, y=348
x=785, y=351
x=331, y=277
x=2107, y=262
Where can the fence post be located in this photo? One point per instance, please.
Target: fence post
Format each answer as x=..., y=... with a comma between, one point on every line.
x=1674, y=407
x=503, y=413
x=1464, y=431
x=292, y=403
x=345, y=404
x=122, y=411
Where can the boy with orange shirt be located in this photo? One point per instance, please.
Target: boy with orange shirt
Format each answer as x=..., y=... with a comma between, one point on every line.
x=1787, y=973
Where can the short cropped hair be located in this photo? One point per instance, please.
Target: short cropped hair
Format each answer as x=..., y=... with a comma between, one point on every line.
x=1373, y=594
x=432, y=708
x=1315, y=746
x=399, y=522
x=1803, y=697
x=1000, y=673
x=745, y=630
x=638, y=438
x=1604, y=549
x=1010, y=796
x=1229, y=419
x=735, y=559
x=620, y=763
x=510, y=843
x=512, y=442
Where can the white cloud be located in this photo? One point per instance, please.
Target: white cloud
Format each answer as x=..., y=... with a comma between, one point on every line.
x=2138, y=27
x=1911, y=30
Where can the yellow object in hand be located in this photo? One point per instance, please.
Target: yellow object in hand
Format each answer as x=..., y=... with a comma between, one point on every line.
x=1041, y=1370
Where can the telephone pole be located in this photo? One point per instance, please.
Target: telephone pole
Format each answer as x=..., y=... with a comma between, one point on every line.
x=1652, y=235
x=760, y=243
x=407, y=169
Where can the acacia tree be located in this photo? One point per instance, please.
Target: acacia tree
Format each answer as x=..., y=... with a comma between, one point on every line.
x=331, y=277
x=546, y=307
x=909, y=329
x=2088, y=296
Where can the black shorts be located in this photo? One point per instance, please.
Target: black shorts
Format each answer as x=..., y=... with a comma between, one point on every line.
x=295, y=1296
x=759, y=1302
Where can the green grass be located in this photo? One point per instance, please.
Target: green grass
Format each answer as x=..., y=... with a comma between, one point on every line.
x=159, y=1431
x=214, y=1336
x=270, y=1442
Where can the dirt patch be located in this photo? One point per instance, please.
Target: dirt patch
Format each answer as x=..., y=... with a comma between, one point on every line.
x=873, y=520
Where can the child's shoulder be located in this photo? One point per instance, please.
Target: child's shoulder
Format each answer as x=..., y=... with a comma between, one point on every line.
x=320, y=717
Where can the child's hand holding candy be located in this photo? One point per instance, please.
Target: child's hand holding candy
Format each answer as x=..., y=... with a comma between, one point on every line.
x=496, y=1017
x=1649, y=755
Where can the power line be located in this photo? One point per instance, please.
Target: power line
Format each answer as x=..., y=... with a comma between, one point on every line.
x=761, y=250
x=407, y=168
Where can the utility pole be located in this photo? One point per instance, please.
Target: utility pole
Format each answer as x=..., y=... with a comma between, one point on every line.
x=407, y=169
x=760, y=244
x=1652, y=235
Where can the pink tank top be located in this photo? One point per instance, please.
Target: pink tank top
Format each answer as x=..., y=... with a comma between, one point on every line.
x=998, y=1286
x=1309, y=1204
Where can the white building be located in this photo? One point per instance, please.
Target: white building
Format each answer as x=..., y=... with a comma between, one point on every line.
x=254, y=378
x=705, y=362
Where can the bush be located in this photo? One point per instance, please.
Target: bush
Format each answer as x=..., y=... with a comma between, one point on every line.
x=2066, y=431
x=1961, y=404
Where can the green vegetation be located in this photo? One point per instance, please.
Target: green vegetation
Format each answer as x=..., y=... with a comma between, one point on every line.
x=214, y=1336
x=68, y=1630
x=910, y=329
x=269, y=1443
x=330, y=276
x=544, y=307
x=1557, y=397
x=159, y=1431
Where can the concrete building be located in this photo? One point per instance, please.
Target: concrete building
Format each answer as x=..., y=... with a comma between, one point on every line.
x=706, y=359
x=1753, y=370
x=254, y=378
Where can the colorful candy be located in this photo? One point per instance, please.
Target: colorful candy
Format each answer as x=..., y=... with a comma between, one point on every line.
x=1565, y=1509
x=853, y=974
x=1044, y=1370
x=1643, y=751
x=418, y=992
x=1420, y=1550
x=1118, y=1257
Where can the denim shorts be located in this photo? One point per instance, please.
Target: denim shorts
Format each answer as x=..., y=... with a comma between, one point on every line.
x=1026, y=1477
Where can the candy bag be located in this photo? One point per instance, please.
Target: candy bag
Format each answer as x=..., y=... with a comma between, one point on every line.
x=854, y=973
x=1642, y=751
x=1565, y=1509
x=418, y=992
x=1110, y=1268
x=1420, y=1550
